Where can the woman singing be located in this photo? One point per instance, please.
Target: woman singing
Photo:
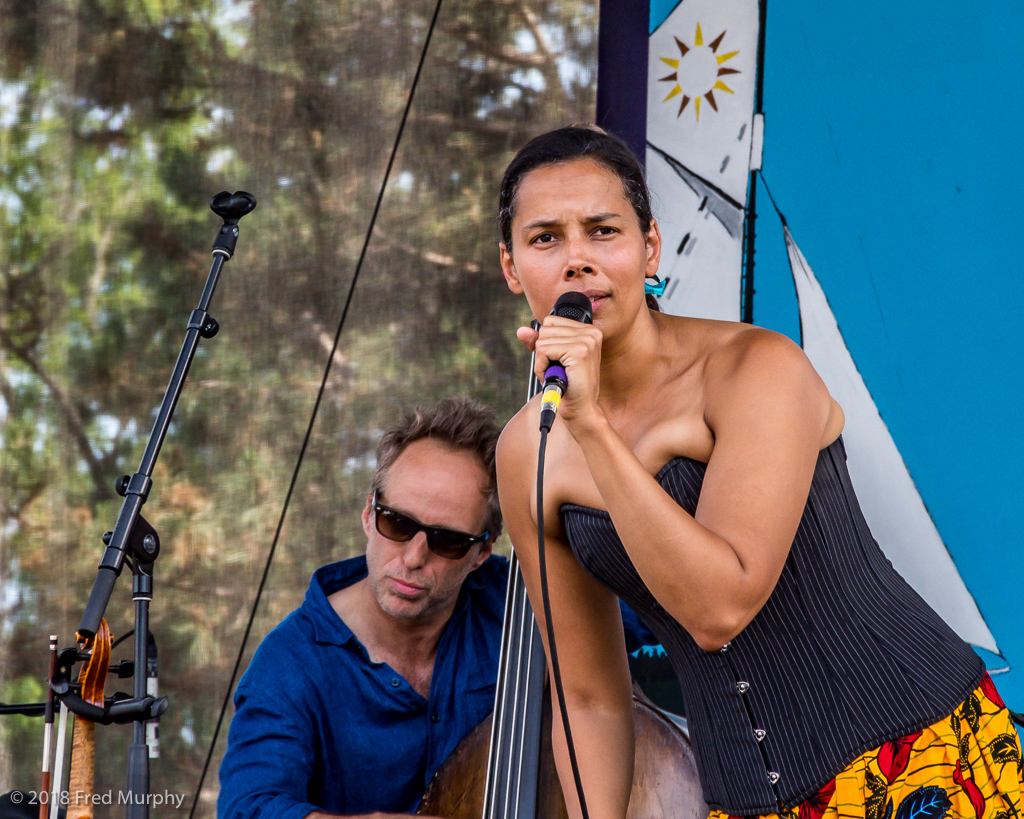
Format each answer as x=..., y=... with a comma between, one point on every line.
x=696, y=470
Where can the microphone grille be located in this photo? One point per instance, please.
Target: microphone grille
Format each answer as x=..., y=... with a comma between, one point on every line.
x=574, y=305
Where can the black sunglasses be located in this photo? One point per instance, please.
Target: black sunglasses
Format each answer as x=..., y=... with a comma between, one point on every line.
x=443, y=542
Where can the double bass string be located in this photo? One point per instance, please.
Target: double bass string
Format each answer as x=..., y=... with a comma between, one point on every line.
x=505, y=760
x=521, y=701
x=508, y=678
x=316, y=406
x=511, y=780
x=528, y=623
x=506, y=788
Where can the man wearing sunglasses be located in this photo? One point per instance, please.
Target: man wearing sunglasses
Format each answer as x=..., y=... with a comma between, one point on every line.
x=355, y=700
x=352, y=703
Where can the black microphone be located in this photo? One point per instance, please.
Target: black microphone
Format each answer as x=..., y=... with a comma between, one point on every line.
x=571, y=305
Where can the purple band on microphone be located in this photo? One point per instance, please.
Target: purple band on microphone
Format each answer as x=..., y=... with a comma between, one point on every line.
x=557, y=370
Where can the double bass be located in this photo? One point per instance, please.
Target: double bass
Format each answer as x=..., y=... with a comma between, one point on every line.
x=504, y=768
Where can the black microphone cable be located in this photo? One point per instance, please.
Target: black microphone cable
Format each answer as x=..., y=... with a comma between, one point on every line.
x=547, y=621
x=576, y=306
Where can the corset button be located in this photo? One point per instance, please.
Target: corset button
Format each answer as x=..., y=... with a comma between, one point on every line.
x=760, y=734
x=742, y=687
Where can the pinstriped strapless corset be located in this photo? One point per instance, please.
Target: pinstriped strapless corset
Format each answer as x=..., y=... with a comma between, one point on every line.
x=843, y=657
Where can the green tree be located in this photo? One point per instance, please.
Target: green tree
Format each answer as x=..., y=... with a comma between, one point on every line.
x=118, y=120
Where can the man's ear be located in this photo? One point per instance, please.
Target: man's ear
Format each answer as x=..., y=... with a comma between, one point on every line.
x=508, y=270
x=367, y=515
x=485, y=552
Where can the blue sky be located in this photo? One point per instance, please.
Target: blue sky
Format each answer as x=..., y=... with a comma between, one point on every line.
x=893, y=146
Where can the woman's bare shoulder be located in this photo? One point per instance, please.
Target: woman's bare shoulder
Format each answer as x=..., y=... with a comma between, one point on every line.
x=736, y=349
x=516, y=454
x=718, y=349
x=754, y=369
x=517, y=431
x=774, y=359
x=702, y=338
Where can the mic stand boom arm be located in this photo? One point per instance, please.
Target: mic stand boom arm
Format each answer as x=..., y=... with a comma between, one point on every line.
x=132, y=532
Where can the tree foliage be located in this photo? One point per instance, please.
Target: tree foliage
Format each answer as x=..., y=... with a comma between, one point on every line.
x=118, y=121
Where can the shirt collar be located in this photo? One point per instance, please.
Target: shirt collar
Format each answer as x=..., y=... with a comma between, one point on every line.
x=330, y=629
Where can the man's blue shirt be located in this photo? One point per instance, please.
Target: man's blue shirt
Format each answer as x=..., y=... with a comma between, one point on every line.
x=319, y=726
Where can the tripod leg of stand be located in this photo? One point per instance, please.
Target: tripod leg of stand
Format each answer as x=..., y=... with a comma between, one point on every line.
x=138, y=781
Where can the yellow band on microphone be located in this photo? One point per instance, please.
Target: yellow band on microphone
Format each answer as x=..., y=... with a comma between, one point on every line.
x=551, y=399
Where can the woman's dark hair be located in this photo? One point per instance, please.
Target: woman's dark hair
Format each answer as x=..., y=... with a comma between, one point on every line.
x=566, y=145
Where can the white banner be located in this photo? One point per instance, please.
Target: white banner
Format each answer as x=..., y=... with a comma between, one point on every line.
x=888, y=497
x=702, y=76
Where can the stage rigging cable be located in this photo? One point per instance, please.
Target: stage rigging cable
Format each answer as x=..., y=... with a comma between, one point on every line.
x=316, y=407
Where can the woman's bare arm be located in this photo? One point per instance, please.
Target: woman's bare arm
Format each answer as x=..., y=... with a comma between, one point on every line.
x=588, y=636
x=767, y=410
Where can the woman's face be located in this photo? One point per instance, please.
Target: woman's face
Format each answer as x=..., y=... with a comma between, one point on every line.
x=574, y=229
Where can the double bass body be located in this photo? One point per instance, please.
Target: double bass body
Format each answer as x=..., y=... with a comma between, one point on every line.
x=665, y=782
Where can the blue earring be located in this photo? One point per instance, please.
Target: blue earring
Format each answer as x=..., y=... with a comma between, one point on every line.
x=653, y=286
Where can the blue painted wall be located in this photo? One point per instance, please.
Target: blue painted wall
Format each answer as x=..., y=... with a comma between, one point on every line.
x=894, y=147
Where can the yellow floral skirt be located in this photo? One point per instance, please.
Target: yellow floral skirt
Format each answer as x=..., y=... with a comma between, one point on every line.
x=966, y=766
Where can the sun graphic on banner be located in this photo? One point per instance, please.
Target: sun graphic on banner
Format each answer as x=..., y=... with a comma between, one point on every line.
x=698, y=72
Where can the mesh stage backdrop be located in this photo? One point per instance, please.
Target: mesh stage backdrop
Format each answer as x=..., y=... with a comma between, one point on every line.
x=120, y=118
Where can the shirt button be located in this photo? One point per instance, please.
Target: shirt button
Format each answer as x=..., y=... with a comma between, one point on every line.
x=725, y=648
x=434, y=717
x=742, y=687
x=773, y=777
x=760, y=734
x=395, y=682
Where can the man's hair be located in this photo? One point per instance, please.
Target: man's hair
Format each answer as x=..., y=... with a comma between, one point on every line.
x=460, y=423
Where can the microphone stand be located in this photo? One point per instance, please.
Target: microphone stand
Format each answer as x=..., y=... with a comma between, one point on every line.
x=135, y=540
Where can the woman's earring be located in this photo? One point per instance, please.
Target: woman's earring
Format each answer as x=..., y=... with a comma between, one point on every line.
x=654, y=286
